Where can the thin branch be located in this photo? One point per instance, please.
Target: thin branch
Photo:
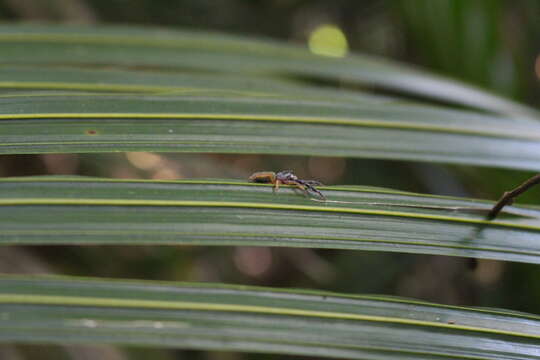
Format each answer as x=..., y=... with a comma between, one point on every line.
x=508, y=197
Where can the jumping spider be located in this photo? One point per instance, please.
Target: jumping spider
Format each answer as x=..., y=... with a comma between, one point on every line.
x=287, y=177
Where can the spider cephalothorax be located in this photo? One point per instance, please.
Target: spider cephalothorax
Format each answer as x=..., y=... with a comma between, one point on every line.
x=287, y=177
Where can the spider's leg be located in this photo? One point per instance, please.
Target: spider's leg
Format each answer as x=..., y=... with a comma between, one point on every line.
x=311, y=188
x=301, y=186
x=276, y=186
x=320, y=194
x=313, y=182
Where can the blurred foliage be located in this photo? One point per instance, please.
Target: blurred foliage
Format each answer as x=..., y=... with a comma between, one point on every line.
x=490, y=43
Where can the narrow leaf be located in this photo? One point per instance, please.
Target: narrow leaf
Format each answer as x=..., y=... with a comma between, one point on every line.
x=133, y=47
x=205, y=123
x=97, y=211
x=204, y=316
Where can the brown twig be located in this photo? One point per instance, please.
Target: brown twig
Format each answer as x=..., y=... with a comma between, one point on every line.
x=508, y=197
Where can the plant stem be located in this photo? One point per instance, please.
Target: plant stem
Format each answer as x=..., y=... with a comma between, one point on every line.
x=508, y=197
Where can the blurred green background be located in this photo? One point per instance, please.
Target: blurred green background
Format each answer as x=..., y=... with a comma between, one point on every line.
x=492, y=44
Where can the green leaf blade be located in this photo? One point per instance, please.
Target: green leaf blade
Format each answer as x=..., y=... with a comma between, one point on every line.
x=213, y=52
x=228, y=125
x=94, y=211
x=225, y=317
x=112, y=89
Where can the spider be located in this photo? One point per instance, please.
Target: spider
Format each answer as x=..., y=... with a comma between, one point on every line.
x=287, y=177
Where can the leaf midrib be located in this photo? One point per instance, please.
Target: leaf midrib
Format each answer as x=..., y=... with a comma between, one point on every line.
x=253, y=205
x=6, y=298
x=403, y=125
